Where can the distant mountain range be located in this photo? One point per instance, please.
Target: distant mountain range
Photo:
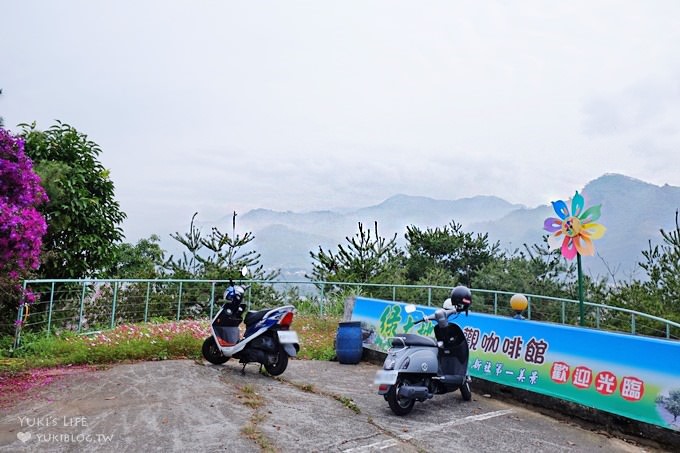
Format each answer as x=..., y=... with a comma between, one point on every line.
x=632, y=210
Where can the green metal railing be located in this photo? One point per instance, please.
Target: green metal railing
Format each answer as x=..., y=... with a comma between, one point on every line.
x=86, y=305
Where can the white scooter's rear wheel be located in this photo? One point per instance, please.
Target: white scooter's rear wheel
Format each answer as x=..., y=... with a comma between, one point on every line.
x=212, y=353
x=280, y=363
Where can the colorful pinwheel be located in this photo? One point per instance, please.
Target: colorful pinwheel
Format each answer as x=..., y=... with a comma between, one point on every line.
x=574, y=232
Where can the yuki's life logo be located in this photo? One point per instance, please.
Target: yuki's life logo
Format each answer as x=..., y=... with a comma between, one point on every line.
x=24, y=437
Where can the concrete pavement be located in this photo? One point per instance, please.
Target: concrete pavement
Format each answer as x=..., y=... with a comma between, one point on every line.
x=184, y=405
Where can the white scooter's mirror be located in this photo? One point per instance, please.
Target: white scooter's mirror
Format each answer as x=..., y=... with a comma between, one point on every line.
x=245, y=271
x=410, y=308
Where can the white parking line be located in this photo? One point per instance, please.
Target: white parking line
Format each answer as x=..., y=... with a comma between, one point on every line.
x=474, y=418
x=459, y=421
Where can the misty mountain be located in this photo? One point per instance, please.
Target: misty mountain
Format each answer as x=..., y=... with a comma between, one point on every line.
x=285, y=239
x=289, y=248
x=632, y=210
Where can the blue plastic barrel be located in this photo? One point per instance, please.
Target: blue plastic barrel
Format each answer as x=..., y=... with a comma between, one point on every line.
x=348, y=342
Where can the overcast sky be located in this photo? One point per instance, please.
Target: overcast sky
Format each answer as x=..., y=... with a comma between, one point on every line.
x=216, y=106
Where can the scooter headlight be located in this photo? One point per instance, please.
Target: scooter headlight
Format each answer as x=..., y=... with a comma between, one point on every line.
x=389, y=364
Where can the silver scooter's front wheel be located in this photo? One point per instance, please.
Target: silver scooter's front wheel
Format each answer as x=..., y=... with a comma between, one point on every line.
x=400, y=406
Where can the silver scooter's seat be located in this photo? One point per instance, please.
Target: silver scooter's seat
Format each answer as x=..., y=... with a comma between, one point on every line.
x=411, y=339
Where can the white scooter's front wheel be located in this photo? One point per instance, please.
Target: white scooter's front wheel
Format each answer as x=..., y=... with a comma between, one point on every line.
x=212, y=353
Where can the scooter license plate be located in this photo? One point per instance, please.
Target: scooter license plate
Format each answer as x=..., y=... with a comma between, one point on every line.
x=388, y=377
x=288, y=337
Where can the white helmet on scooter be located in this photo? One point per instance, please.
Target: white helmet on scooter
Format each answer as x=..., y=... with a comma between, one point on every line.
x=234, y=293
x=448, y=305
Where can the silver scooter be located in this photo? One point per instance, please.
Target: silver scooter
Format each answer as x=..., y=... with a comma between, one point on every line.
x=417, y=367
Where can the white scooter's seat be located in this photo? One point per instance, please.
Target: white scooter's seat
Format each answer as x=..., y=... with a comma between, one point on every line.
x=410, y=339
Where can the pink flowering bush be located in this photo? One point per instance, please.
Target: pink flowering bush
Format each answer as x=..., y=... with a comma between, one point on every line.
x=149, y=341
x=151, y=332
x=22, y=227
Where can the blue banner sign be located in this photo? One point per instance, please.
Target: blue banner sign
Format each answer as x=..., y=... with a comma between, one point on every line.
x=632, y=376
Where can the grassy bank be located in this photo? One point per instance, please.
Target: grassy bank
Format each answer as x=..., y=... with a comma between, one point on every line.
x=150, y=341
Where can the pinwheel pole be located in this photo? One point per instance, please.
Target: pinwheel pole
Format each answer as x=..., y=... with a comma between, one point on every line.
x=573, y=233
x=581, y=307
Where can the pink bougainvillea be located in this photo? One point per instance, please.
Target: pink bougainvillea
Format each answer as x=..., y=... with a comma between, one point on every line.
x=22, y=227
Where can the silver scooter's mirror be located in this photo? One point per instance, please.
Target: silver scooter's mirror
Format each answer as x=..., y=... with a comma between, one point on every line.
x=410, y=308
x=245, y=271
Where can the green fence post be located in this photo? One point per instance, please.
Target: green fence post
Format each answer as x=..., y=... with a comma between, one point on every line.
x=529, y=307
x=17, y=331
x=632, y=323
x=82, y=304
x=597, y=317
x=212, y=299
x=113, y=306
x=394, y=293
x=49, y=315
x=495, y=303
x=429, y=296
x=179, y=300
x=321, y=301
x=146, y=301
x=564, y=312
x=20, y=316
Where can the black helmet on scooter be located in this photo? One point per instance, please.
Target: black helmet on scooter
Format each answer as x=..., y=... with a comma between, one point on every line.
x=461, y=298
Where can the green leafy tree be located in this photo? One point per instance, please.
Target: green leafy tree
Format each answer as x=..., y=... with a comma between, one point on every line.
x=662, y=264
x=367, y=257
x=218, y=256
x=143, y=260
x=232, y=252
x=461, y=254
x=188, y=265
x=82, y=215
x=534, y=270
x=659, y=293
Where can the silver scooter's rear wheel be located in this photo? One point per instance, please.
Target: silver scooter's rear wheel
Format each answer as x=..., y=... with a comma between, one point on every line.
x=465, y=390
x=400, y=406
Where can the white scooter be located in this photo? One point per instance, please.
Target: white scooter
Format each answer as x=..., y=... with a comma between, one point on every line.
x=268, y=339
x=418, y=367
